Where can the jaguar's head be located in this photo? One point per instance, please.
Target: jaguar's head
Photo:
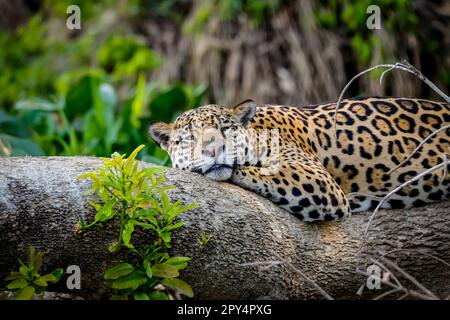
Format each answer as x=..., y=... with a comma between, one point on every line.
x=210, y=140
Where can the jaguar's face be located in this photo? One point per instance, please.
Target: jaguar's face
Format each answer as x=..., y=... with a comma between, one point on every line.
x=210, y=140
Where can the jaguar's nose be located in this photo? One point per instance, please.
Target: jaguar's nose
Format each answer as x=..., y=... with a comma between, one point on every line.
x=213, y=150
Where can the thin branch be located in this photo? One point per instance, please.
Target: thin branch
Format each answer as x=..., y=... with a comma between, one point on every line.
x=360, y=194
x=418, y=251
x=263, y=264
x=398, y=286
x=266, y=264
x=426, y=80
x=397, y=281
x=386, y=71
x=409, y=277
x=418, y=147
x=405, y=66
x=444, y=170
x=385, y=294
x=408, y=292
x=348, y=85
x=403, y=296
x=419, y=176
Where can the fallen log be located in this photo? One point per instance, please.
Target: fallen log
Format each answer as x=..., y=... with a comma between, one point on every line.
x=256, y=251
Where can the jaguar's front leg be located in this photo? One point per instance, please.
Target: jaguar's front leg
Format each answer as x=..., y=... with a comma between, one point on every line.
x=301, y=185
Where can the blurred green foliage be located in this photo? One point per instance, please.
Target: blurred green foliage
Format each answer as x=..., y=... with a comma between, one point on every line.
x=66, y=95
x=351, y=17
x=256, y=10
x=87, y=93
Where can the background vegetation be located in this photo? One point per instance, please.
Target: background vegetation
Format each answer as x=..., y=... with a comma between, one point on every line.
x=94, y=91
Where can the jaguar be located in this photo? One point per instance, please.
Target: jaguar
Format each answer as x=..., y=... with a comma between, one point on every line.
x=297, y=158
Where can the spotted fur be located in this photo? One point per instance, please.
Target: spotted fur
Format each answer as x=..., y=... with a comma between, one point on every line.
x=315, y=171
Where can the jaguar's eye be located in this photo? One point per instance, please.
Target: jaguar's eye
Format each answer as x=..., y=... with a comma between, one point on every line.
x=224, y=128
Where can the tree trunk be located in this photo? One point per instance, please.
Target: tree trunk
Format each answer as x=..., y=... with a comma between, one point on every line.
x=41, y=202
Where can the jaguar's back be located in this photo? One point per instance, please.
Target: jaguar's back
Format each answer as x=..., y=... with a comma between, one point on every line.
x=316, y=171
x=374, y=135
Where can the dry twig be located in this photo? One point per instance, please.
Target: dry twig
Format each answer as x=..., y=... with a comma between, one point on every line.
x=405, y=66
x=419, y=176
x=360, y=194
x=418, y=251
x=268, y=264
x=418, y=147
x=397, y=286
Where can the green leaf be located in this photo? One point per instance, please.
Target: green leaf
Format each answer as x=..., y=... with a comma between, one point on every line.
x=139, y=101
x=13, y=125
x=127, y=232
x=164, y=270
x=91, y=175
x=106, y=212
x=114, y=247
x=144, y=225
x=25, y=294
x=178, y=285
x=165, y=202
x=13, y=275
x=134, y=154
x=40, y=282
x=19, y=146
x=157, y=295
x=49, y=278
x=148, y=268
x=80, y=97
x=178, y=262
x=186, y=208
x=31, y=255
x=83, y=224
x=37, y=262
x=141, y=296
x=24, y=270
x=165, y=236
x=130, y=281
x=150, y=172
x=167, y=103
x=17, y=284
x=96, y=206
x=36, y=103
x=118, y=271
x=57, y=274
x=108, y=95
x=174, y=226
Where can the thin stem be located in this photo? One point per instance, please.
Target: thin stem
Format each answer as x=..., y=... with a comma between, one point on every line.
x=268, y=264
x=418, y=147
x=122, y=222
x=391, y=66
x=417, y=177
x=444, y=169
x=73, y=141
x=418, y=251
x=387, y=293
x=410, y=278
x=405, y=66
x=360, y=194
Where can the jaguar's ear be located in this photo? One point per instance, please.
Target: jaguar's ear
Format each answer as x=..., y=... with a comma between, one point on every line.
x=160, y=132
x=245, y=111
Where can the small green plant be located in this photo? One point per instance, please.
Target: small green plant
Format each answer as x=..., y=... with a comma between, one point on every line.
x=28, y=281
x=204, y=239
x=137, y=197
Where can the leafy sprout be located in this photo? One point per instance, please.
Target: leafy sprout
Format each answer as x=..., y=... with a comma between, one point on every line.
x=136, y=196
x=28, y=280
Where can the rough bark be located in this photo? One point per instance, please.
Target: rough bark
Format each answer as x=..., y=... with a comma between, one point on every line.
x=41, y=201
